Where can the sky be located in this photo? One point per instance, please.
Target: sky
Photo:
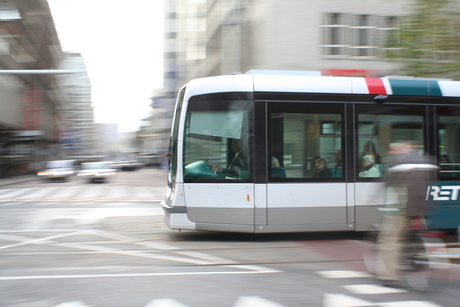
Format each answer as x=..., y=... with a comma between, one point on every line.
x=121, y=42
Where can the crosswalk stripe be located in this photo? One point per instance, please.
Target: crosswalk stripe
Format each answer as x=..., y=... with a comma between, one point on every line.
x=372, y=289
x=409, y=304
x=90, y=191
x=4, y=193
x=82, y=193
x=343, y=274
x=116, y=192
x=255, y=301
x=72, y=304
x=165, y=302
x=40, y=192
x=145, y=192
x=242, y=301
x=66, y=193
x=343, y=300
x=16, y=192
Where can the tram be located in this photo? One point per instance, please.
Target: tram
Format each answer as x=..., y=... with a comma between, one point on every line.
x=266, y=152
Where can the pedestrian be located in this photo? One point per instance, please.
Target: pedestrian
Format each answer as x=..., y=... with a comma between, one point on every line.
x=406, y=187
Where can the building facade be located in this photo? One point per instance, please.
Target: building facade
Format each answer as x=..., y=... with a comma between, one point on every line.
x=30, y=51
x=224, y=37
x=215, y=37
x=77, y=136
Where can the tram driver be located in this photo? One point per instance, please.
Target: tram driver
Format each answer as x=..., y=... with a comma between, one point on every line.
x=239, y=161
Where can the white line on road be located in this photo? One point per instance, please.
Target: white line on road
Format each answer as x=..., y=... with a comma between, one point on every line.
x=255, y=301
x=136, y=254
x=6, y=278
x=165, y=302
x=128, y=239
x=41, y=240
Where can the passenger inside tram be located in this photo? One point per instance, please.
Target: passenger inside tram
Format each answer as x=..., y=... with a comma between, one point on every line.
x=321, y=169
x=370, y=168
x=277, y=170
x=370, y=149
x=337, y=170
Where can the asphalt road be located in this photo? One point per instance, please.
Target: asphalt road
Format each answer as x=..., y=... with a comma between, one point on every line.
x=77, y=244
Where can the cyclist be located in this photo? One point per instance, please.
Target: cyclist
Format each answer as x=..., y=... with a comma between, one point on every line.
x=409, y=173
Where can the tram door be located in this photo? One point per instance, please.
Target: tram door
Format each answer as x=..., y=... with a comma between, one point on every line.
x=306, y=189
x=217, y=154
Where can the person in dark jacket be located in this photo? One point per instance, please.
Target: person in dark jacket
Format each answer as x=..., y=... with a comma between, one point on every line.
x=405, y=189
x=321, y=169
x=238, y=162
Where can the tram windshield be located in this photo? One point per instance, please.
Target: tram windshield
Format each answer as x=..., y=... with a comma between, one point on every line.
x=216, y=144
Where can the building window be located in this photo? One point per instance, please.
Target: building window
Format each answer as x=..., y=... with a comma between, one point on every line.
x=170, y=55
x=171, y=15
x=171, y=35
x=334, y=32
x=358, y=36
x=362, y=37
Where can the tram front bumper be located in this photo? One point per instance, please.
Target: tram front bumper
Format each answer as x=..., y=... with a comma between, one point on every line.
x=176, y=217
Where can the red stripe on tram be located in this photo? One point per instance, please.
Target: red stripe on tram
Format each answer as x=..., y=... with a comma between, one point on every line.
x=375, y=86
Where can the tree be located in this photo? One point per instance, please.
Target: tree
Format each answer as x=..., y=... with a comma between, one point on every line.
x=428, y=40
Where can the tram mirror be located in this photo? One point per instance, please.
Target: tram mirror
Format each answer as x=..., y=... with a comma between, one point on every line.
x=221, y=124
x=380, y=98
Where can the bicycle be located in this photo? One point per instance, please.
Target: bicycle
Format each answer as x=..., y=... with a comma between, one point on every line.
x=424, y=263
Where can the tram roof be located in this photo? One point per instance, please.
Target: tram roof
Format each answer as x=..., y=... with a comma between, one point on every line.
x=275, y=81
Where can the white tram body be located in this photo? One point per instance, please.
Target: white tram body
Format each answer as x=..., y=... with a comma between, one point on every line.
x=298, y=119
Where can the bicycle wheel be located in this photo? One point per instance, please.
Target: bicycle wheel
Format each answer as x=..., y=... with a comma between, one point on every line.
x=425, y=264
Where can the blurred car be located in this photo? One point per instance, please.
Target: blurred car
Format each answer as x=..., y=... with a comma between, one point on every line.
x=59, y=170
x=127, y=165
x=96, y=171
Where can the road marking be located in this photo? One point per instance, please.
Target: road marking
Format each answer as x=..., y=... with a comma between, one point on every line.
x=4, y=192
x=39, y=241
x=409, y=304
x=372, y=289
x=47, y=230
x=40, y=193
x=65, y=193
x=147, y=192
x=82, y=193
x=17, y=238
x=116, y=192
x=214, y=259
x=16, y=201
x=72, y=304
x=242, y=301
x=161, y=246
x=165, y=302
x=342, y=300
x=145, y=254
x=343, y=274
x=73, y=276
x=12, y=193
x=255, y=301
x=87, y=216
x=128, y=239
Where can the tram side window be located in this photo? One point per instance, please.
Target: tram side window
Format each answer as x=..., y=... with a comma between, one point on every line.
x=449, y=143
x=216, y=144
x=305, y=145
x=377, y=129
